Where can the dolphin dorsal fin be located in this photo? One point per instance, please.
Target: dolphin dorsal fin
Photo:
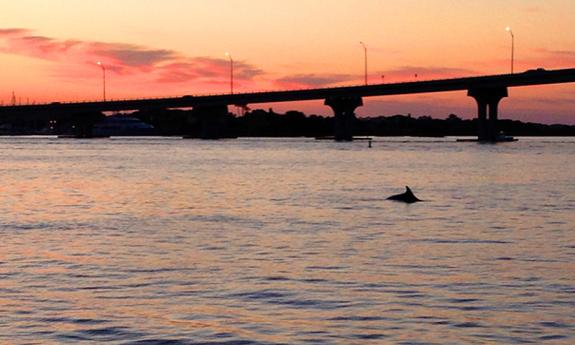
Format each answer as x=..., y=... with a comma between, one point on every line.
x=407, y=197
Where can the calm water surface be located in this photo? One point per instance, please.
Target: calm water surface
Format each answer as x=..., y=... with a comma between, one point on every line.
x=276, y=241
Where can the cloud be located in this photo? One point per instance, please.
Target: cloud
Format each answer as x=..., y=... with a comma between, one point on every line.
x=160, y=65
x=427, y=72
x=19, y=42
x=545, y=58
x=117, y=56
x=314, y=80
x=206, y=69
x=178, y=72
x=13, y=31
x=558, y=57
x=131, y=55
x=247, y=71
x=552, y=101
x=397, y=74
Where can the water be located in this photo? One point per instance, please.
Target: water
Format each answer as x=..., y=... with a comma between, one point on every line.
x=286, y=241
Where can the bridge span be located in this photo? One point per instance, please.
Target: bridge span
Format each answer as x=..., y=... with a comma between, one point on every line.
x=486, y=90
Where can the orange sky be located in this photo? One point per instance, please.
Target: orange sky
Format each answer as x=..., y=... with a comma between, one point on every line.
x=49, y=49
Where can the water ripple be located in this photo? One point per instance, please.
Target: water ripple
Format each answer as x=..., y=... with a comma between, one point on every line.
x=257, y=242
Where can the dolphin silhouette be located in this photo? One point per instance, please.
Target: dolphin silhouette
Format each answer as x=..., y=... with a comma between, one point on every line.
x=407, y=197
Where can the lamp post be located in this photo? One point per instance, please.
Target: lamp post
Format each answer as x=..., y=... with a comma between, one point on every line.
x=364, y=61
x=508, y=29
x=103, y=79
x=231, y=73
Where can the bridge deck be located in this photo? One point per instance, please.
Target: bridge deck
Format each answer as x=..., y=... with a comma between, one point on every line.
x=534, y=77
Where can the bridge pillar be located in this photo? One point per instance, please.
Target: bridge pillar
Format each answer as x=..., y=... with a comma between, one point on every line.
x=487, y=98
x=83, y=123
x=212, y=121
x=343, y=109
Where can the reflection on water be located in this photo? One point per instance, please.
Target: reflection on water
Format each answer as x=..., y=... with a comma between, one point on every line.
x=259, y=241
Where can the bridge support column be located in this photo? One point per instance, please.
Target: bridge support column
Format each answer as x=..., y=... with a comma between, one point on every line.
x=343, y=109
x=83, y=124
x=212, y=121
x=487, y=98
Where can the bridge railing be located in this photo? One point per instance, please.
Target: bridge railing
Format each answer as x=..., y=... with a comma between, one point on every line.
x=260, y=92
x=212, y=94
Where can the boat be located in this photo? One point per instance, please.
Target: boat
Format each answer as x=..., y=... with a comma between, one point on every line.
x=501, y=138
x=122, y=125
x=505, y=138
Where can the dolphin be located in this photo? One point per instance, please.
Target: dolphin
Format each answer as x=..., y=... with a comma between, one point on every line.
x=407, y=197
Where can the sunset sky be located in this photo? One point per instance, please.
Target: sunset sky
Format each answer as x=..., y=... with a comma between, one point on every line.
x=49, y=49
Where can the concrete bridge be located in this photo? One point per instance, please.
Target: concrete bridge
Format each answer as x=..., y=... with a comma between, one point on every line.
x=486, y=90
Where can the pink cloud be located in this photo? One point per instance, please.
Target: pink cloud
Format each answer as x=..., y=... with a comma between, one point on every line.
x=425, y=73
x=130, y=55
x=178, y=72
x=557, y=102
x=157, y=65
x=536, y=58
x=557, y=57
x=19, y=42
x=398, y=74
x=13, y=31
x=313, y=80
x=215, y=71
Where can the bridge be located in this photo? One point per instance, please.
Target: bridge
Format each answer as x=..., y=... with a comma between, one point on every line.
x=487, y=91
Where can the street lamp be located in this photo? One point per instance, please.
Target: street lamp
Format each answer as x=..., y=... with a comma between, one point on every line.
x=103, y=79
x=508, y=29
x=231, y=73
x=364, y=61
